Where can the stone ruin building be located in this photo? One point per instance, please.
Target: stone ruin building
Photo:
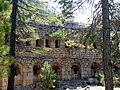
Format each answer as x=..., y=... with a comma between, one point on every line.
x=69, y=64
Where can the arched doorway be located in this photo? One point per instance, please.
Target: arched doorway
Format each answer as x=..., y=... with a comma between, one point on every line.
x=56, y=69
x=76, y=71
x=47, y=43
x=36, y=70
x=18, y=76
x=94, y=69
x=17, y=70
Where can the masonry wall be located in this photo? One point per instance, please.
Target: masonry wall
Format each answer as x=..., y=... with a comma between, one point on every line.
x=65, y=59
x=69, y=63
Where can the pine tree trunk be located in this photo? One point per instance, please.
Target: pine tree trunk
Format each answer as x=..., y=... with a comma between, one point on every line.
x=107, y=65
x=12, y=45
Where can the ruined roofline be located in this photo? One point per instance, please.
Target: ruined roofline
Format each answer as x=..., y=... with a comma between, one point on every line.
x=43, y=25
x=47, y=25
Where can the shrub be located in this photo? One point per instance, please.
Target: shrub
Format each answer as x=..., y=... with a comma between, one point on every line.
x=48, y=76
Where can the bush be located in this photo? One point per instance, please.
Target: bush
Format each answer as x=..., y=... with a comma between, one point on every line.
x=48, y=76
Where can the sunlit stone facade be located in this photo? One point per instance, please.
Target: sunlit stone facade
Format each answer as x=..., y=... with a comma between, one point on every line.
x=68, y=63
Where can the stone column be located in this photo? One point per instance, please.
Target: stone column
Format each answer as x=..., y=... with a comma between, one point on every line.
x=63, y=73
x=66, y=71
x=44, y=43
x=33, y=43
x=27, y=74
x=62, y=44
x=85, y=69
x=52, y=43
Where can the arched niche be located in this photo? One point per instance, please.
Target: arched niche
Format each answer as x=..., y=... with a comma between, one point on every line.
x=17, y=69
x=18, y=73
x=94, y=68
x=28, y=43
x=47, y=43
x=56, y=68
x=76, y=70
x=36, y=69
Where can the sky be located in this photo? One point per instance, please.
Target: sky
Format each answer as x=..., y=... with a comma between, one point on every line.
x=80, y=16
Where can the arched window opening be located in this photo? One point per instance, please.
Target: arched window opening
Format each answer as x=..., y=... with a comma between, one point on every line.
x=75, y=68
x=35, y=70
x=56, y=69
x=28, y=43
x=94, y=68
x=17, y=70
x=94, y=45
x=75, y=71
x=47, y=43
x=57, y=43
x=38, y=42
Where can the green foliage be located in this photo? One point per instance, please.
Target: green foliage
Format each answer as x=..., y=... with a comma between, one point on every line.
x=4, y=49
x=59, y=33
x=5, y=60
x=52, y=18
x=102, y=78
x=28, y=34
x=34, y=11
x=27, y=11
x=4, y=5
x=67, y=8
x=115, y=31
x=70, y=43
x=48, y=77
x=90, y=37
x=40, y=50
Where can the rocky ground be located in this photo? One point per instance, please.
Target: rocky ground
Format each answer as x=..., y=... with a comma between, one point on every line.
x=78, y=85
x=65, y=85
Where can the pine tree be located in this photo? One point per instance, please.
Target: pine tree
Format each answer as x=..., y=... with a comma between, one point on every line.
x=11, y=77
x=107, y=65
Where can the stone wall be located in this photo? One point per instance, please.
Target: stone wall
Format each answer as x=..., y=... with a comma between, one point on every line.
x=65, y=59
x=68, y=63
x=3, y=83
